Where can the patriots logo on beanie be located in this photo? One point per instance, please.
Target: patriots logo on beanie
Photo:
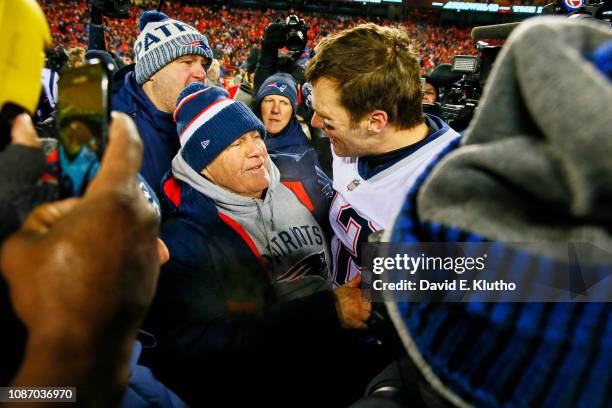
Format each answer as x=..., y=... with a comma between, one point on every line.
x=162, y=40
x=196, y=43
x=278, y=84
x=207, y=122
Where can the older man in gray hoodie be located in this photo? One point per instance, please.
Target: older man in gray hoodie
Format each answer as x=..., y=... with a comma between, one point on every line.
x=248, y=280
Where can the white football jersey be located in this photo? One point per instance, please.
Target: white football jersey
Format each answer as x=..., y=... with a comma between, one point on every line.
x=49, y=82
x=362, y=206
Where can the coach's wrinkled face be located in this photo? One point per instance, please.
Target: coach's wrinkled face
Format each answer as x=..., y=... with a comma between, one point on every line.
x=242, y=167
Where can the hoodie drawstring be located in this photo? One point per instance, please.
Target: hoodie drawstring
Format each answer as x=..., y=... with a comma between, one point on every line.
x=270, y=203
x=261, y=222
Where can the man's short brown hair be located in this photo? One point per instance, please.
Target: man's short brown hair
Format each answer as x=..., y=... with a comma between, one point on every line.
x=374, y=68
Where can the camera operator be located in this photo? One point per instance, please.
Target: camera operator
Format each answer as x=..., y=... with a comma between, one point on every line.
x=455, y=94
x=430, y=93
x=293, y=34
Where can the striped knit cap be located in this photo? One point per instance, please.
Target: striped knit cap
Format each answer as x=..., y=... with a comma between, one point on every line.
x=162, y=40
x=208, y=121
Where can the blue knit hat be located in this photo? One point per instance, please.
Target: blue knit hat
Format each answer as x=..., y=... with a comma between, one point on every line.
x=278, y=84
x=162, y=40
x=208, y=121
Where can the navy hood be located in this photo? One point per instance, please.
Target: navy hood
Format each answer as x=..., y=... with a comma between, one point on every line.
x=129, y=97
x=157, y=129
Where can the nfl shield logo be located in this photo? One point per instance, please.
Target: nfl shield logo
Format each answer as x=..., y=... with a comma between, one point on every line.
x=278, y=85
x=353, y=185
x=205, y=143
x=573, y=4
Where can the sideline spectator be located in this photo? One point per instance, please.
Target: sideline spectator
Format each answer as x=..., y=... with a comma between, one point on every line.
x=213, y=75
x=430, y=93
x=169, y=56
x=276, y=105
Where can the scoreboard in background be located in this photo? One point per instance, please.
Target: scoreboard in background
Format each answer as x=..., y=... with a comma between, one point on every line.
x=378, y=1
x=488, y=7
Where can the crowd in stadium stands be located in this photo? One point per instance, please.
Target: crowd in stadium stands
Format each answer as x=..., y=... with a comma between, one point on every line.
x=233, y=32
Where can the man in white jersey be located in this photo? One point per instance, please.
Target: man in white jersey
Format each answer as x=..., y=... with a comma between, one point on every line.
x=367, y=98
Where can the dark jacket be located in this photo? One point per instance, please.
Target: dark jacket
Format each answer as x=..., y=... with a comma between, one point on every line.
x=291, y=140
x=144, y=391
x=215, y=314
x=21, y=170
x=157, y=129
x=21, y=167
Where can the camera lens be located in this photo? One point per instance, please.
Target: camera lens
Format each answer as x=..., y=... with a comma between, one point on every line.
x=295, y=41
x=295, y=37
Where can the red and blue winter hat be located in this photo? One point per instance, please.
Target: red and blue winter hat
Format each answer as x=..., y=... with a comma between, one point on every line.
x=208, y=121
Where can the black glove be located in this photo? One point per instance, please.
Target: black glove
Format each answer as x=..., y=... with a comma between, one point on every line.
x=275, y=35
x=119, y=9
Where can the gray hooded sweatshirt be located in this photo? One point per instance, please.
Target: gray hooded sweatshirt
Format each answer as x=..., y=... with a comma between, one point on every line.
x=287, y=236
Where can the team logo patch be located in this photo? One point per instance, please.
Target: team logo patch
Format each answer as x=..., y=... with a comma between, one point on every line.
x=197, y=43
x=278, y=85
x=573, y=4
x=149, y=194
x=312, y=265
x=205, y=143
x=353, y=184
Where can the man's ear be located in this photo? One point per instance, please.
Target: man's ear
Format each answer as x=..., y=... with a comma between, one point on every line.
x=378, y=120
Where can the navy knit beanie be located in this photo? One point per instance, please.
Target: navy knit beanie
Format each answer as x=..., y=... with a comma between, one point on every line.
x=278, y=84
x=208, y=121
